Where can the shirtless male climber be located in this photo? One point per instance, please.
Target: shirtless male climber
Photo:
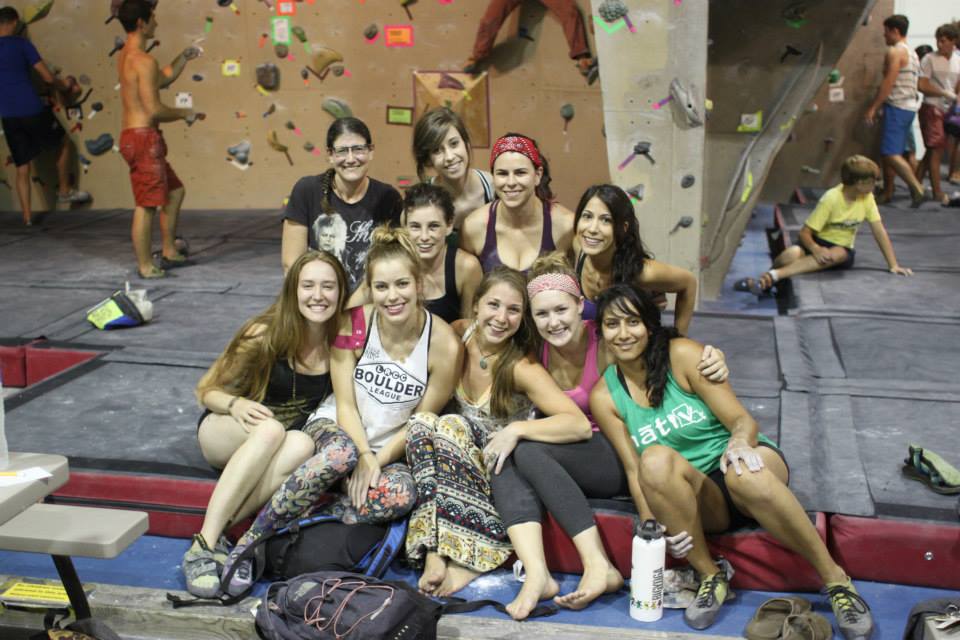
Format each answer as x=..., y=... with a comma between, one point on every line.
x=155, y=185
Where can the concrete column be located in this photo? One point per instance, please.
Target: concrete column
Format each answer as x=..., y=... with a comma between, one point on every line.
x=667, y=43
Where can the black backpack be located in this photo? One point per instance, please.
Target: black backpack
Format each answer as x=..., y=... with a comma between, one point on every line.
x=311, y=544
x=331, y=604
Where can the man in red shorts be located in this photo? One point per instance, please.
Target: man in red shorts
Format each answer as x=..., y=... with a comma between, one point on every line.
x=155, y=185
x=939, y=82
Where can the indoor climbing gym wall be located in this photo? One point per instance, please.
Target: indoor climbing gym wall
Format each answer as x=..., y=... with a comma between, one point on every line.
x=832, y=127
x=767, y=62
x=274, y=74
x=654, y=111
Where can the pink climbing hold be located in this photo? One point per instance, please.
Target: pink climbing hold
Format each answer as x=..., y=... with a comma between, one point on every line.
x=659, y=105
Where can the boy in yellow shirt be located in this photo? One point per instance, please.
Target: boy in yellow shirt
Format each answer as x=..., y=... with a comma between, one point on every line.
x=827, y=237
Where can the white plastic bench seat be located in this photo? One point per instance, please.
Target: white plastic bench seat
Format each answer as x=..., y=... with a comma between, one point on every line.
x=63, y=530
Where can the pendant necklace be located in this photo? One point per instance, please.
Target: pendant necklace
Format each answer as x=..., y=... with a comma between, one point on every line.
x=483, y=357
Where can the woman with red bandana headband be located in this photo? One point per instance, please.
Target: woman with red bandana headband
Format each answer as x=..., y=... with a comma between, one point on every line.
x=524, y=222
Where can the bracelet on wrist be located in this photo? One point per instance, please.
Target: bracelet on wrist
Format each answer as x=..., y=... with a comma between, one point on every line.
x=365, y=452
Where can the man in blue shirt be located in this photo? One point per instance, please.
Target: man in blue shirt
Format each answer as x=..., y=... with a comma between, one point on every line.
x=28, y=124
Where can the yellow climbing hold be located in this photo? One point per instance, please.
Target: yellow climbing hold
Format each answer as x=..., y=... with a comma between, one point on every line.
x=747, y=187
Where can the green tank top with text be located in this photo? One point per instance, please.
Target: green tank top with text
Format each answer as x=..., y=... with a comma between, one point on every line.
x=682, y=422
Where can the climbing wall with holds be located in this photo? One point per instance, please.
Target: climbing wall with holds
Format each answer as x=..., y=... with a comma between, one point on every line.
x=767, y=62
x=654, y=112
x=270, y=85
x=832, y=126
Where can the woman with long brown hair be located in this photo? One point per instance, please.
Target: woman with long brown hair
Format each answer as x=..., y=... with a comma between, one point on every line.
x=257, y=396
x=394, y=358
x=455, y=531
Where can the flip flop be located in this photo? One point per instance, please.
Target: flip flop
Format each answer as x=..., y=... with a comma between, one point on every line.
x=154, y=274
x=807, y=626
x=929, y=468
x=167, y=263
x=768, y=621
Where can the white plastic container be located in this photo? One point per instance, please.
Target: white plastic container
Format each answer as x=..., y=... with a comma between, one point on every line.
x=646, y=576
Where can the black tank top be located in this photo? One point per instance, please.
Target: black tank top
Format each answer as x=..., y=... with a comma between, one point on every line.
x=448, y=305
x=293, y=396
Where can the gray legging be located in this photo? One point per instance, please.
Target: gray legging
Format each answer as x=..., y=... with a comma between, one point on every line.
x=560, y=478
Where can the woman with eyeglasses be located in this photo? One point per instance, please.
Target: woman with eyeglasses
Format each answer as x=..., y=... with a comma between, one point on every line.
x=343, y=197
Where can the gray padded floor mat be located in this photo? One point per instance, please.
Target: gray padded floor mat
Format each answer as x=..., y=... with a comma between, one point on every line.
x=878, y=352
x=119, y=415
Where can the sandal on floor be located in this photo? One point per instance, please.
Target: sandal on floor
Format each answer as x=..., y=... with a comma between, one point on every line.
x=929, y=468
x=171, y=263
x=807, y=626
x=768, y=621
x=153, y=274
x=200, y=569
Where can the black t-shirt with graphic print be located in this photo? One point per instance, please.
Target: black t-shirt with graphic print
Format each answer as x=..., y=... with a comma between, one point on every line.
x=345, y=233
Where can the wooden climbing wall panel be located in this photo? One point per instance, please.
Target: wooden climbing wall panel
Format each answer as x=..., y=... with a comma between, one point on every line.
x=531, y=77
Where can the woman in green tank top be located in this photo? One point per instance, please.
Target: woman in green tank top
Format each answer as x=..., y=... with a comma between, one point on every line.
x=694, y=457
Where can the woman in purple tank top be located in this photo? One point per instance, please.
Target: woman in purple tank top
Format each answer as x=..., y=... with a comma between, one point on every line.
x=524, y=222
x=561, y=477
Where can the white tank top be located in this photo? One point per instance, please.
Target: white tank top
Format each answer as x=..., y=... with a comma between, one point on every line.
x=904, y=93
x=388, y=391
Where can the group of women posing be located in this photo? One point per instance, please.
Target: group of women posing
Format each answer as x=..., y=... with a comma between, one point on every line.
x=471, y=396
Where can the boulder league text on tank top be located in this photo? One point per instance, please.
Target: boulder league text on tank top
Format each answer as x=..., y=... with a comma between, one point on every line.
x=388, y=391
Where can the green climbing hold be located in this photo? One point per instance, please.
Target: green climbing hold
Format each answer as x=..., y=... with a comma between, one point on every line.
x=337, y=108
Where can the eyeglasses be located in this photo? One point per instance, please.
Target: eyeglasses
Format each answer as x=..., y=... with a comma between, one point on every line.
x=358, y=151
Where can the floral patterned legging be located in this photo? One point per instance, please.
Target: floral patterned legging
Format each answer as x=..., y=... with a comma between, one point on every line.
x=303, y=491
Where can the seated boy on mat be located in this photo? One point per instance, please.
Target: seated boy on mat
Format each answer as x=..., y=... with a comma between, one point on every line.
x=827, y=237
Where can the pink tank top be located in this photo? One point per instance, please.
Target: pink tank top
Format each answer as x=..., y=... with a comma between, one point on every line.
x=580, y=394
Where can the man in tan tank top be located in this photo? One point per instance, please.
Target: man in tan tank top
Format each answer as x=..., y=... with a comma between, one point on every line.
x=900, y=100
x=155, y=185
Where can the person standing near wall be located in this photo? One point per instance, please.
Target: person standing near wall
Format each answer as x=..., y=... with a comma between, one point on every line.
x=28, y=125
x=155, y=185
x=898, y=96
x=939, y=82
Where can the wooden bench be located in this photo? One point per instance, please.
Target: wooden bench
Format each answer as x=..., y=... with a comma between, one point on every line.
x=64, y=531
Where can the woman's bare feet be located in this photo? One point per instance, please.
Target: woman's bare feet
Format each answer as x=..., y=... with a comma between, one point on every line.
x=592, y=585
x=434, y=571
x=535, y=589
x=458, y=576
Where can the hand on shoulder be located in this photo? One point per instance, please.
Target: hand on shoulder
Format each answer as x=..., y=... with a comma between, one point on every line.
x=685, y=355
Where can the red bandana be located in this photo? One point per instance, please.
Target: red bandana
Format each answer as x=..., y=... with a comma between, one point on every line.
x=518, y=144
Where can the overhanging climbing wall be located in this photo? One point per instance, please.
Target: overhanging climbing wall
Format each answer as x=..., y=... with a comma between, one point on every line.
x=759, y=88
x=530, y=79
x=653, y=61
